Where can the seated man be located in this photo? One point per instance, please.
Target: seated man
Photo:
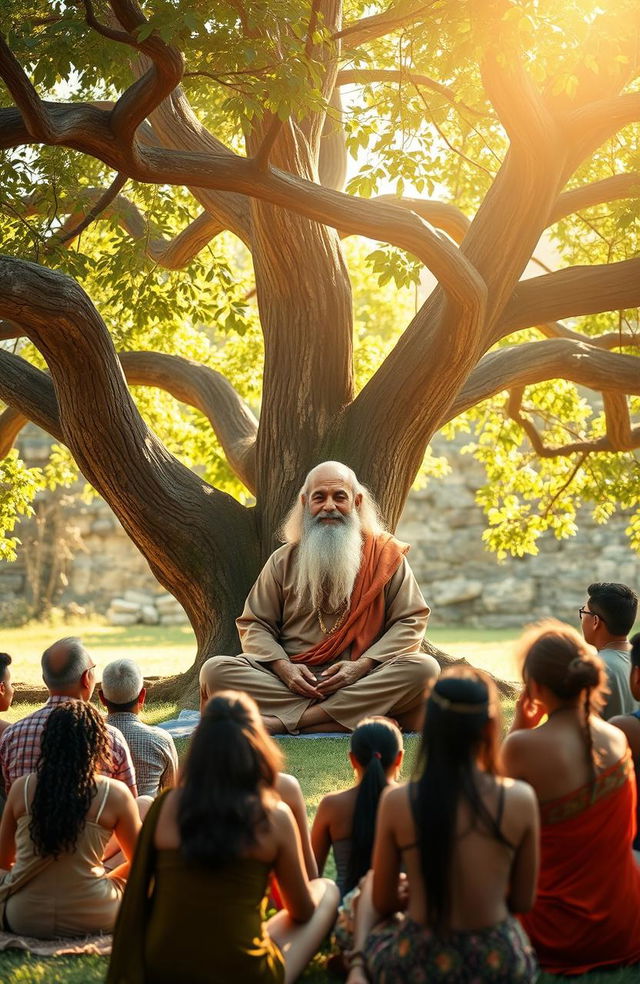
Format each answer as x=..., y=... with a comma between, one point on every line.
x=331, y=630
x=6, y=687
x=607, y=619
x=68, y=673
x=153, y=752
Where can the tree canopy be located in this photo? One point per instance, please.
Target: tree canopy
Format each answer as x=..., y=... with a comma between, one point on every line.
x=200, y=172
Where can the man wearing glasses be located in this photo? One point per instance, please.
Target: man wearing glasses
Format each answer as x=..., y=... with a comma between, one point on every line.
x=607, y=619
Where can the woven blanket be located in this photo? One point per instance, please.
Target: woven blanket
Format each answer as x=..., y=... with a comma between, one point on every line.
x=95, y=945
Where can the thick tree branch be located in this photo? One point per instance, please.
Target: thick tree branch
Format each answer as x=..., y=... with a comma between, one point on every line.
x=588, y=127
x=534, y=362
x=612, y=189
x=33, y=111
x=83, y=128
x=573, y=292
x=378, y=25
x=208, y=391
x=31, y=396
x=443, y=216
x=111, y=444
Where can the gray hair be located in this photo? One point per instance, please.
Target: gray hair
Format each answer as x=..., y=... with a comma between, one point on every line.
x=370, y=521
x=122, y=681
x=64, y=662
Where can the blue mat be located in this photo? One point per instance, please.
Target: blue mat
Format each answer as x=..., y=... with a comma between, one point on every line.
x=185, y=724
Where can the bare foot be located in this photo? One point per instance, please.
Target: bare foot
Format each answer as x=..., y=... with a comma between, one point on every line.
x=357, y=975
x=273, y=725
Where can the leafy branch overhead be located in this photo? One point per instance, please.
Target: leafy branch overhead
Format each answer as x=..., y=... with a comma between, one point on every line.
x=210, y=178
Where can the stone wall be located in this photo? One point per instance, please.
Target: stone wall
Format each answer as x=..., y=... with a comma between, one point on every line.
x=463, y=583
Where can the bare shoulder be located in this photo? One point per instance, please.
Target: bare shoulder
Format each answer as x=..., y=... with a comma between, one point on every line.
x=287, y=786
x=395, y=799
x=118, y=792
x=518, y=793
x=280, y=818
x=610, y=740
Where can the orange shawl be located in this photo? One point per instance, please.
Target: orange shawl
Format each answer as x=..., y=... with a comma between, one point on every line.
x=364, y=624
x=587, y=910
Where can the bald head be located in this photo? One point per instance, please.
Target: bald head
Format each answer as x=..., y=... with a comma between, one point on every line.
x=332, y=472
x=64, y=665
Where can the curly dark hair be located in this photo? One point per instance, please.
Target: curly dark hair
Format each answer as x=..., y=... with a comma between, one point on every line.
x=74, y=745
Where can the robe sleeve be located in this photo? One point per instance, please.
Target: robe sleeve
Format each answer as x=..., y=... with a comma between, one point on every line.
x=261, y=620
x=406, y=615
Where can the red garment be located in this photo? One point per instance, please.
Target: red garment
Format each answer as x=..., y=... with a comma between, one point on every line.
x=381, y=558
x=587, y=910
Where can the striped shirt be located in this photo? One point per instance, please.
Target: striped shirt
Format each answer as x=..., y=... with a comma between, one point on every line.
x=152, y=750
x=20, y=748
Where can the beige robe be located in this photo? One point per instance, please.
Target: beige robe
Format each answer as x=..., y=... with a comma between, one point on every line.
x=276, y=624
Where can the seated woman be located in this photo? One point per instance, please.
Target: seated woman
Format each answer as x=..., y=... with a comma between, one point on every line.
x=630, y=724
x=345, y=821
x=587, y=912
x=469, y=842
x=193, y=908
x=56, y=825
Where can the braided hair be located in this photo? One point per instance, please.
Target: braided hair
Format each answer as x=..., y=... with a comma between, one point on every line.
x=557, y=657
x=74, y=745
x=375, y=745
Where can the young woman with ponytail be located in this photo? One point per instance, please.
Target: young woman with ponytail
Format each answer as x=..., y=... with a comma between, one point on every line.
x=345, y=821
x=468, y=841
x=587, y=911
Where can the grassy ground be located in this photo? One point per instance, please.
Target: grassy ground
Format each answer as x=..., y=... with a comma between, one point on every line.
x=162, y=651
x=321, y=765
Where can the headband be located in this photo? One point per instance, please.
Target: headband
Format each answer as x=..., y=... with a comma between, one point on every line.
x=458, y=708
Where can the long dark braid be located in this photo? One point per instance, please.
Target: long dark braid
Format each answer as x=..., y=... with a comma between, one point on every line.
x=73, y=746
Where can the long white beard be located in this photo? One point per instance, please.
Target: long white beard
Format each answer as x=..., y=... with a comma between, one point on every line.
x=329, y=557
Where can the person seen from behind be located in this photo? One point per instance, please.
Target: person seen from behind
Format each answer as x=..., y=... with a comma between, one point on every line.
x=153, y=751
x=587, y=911
x=55, y=826
x=192, y=911
x=345, y=821
x=468, y=840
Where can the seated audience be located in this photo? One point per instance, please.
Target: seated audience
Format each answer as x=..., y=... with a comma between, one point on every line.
x=607, y=619
x=68, y=673
x=6, y=687
x=192, y=910
x=469, y=843
x=346, y=821
x=153, y=751
x=55, y=827
x=587, y=911
x=630, y=724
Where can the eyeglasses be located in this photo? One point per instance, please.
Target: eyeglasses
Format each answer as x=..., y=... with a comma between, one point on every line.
x=585, y=611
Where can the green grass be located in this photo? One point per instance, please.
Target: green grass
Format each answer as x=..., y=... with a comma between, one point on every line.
x=320, y=765
x=163, y=651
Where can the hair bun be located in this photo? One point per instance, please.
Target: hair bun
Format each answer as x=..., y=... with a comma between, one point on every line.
x=582, y=673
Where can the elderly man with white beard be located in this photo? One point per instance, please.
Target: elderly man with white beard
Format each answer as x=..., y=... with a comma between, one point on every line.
x=332, y=628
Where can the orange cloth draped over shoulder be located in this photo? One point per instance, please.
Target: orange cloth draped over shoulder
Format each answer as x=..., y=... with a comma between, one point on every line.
x=381, y=558
x=587, y=910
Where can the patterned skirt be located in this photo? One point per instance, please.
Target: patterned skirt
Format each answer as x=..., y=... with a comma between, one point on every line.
x=401, y=951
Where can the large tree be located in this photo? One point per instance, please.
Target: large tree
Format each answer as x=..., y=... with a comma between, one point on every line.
x=515, y=117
